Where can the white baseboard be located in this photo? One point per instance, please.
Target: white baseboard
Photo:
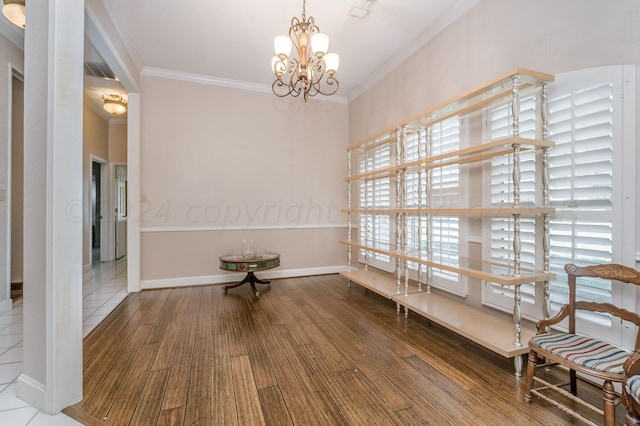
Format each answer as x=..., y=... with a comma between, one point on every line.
x=5, y=306
x=230, y=278
x=86, y=268
x=31, y=391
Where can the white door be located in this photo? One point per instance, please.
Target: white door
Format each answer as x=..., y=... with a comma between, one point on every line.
x=121, y=211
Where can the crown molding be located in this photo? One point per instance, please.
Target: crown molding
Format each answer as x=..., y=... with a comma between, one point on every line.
x=462, y=7
x=223, y=82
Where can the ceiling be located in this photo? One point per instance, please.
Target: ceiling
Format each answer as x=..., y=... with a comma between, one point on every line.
x=233, y=40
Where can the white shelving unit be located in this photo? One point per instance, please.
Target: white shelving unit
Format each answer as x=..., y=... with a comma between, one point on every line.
x=504, y=337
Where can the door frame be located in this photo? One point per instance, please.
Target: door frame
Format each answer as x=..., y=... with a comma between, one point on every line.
x=112, y=211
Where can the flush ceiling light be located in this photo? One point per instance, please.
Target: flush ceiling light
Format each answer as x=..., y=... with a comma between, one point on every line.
x=310, y=69
x=14, y=11
x=114, y=104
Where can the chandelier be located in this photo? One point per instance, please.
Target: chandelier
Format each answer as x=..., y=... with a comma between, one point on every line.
x=310, y=70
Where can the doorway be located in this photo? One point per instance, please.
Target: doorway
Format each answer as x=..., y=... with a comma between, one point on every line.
x=96, y=215
x=17, y=185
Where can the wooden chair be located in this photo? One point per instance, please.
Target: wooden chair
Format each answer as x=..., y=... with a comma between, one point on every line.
x=631, y=389
x=579, y=353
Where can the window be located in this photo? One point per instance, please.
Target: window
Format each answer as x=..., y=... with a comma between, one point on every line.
x=375, y=229
x=500, y=121
x=444, y=189
x=586, y=168
x=581, y=188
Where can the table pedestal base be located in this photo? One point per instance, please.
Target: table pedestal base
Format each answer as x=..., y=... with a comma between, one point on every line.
x=252, y=280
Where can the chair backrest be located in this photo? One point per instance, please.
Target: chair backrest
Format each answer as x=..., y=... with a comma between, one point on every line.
x=607, y=272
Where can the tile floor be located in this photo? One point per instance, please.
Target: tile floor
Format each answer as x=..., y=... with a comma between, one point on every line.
x=103, y=288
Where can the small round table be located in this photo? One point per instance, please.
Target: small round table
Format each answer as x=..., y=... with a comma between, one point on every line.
x=249, y=263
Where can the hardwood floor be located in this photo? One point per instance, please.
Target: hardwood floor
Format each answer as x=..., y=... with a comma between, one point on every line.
x=310, y=351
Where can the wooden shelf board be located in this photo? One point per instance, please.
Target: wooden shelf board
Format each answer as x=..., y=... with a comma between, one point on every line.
x=462, y=156
x=492, y=332
x=387, y=172
x=471, y=100
x=487, y=271
x=474, y=211
x=480, y=152
x=384, y=285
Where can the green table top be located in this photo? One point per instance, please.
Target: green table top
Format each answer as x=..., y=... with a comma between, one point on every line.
x=249, y=262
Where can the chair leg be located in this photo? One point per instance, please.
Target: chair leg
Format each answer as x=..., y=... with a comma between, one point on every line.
x=609, y=403
x=573, y=382
x=531, y=371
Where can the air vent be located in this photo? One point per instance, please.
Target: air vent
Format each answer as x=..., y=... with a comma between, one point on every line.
x=99, y=69
x=362, y=8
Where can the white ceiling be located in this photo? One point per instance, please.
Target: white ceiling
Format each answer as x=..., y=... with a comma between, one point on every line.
x=233, y=40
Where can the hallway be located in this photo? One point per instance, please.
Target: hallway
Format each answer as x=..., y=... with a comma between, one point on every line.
x=104, y=287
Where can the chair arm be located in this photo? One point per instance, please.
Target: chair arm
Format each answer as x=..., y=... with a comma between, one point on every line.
x=543, y=325
x=632, y=364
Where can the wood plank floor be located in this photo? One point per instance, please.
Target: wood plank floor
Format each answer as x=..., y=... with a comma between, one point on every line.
x=310, y=351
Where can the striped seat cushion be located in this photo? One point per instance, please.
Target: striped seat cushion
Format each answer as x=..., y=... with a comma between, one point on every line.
x=633, y=388
x=584, y=351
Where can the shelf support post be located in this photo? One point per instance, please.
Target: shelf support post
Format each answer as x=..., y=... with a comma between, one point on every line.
x=515, y=105
x=517, y=366
x=516, y=174
x=516, y=245
x=420, y=205
x=428, y=148
x=403, y=205
x=546, y=307
x=399, y=230
x=517, y=318
x=367, y=225
x=349, y=218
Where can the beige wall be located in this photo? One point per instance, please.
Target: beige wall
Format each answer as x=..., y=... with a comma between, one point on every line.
x=118, y=141
x=230, y=164
x=491, y=39
x=95, y=143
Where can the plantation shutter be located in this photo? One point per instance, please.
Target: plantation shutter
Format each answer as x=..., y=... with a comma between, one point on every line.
x=445, y=183
x=375, y=229
x=585, y=122
x=500, y=121
x=581, y=176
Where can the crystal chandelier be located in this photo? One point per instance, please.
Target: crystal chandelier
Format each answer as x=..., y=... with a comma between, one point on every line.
x=310, y=70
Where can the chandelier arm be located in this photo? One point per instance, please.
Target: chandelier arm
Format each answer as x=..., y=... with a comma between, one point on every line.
x=293, y=71
x=318, y=68
x=331, y=81
x=313, y=90
x=289, y=89
x=313, y=28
